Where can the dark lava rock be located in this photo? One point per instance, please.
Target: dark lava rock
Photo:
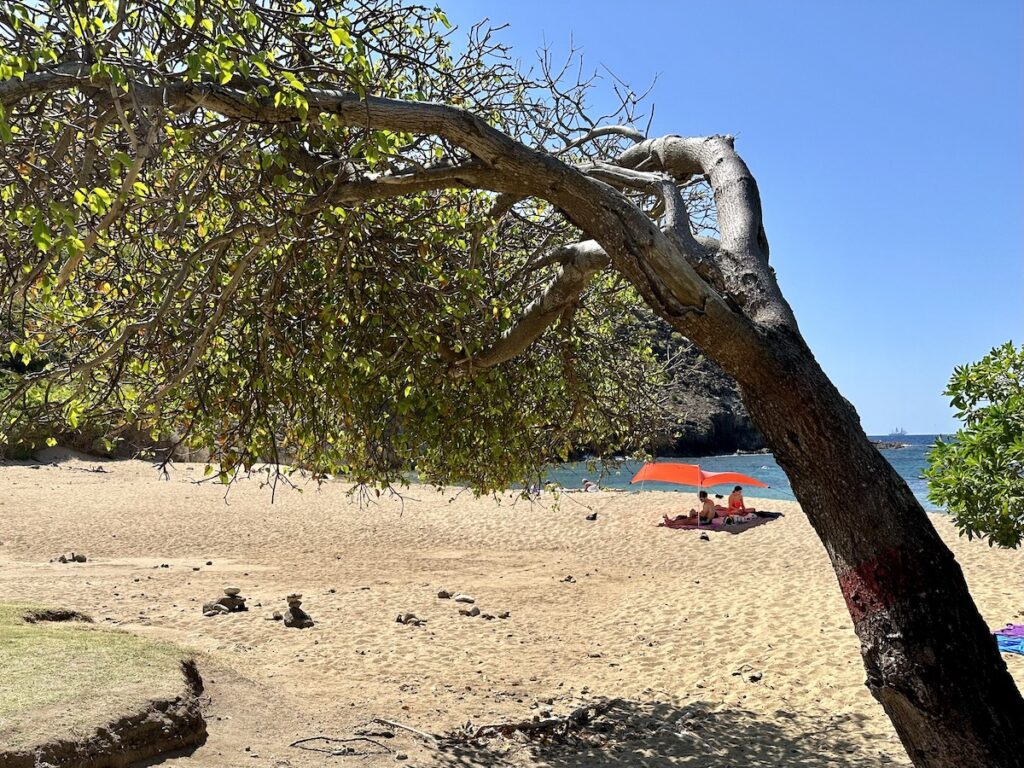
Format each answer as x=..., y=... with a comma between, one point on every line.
x=226, y=604
x=297, y=618
x=706, y=414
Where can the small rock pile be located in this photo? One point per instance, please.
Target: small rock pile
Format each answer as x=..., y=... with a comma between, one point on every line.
x=468, y=608
x=231, y=602
x=70, y=557
x=410, y=619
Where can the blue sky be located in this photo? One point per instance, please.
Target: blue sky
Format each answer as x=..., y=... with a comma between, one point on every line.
x=886, y=141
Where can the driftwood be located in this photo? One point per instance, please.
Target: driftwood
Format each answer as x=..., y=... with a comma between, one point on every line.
x=577, y=719
x=345, y=750
x=409, y=728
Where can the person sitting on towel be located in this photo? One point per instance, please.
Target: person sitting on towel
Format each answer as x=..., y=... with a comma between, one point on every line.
x=705, y=515
x=736, y=503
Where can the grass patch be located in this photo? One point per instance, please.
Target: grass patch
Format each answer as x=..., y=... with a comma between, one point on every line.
x=63, y=679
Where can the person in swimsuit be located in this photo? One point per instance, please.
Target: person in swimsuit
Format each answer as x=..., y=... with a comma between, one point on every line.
x=736, y=504
x=705, y=515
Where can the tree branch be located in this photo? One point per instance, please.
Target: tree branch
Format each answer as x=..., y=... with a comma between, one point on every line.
x=608, y=130
x=580, y=262
x=648, y=258
x=471, y=175
x=143, y=153
x=743, y=253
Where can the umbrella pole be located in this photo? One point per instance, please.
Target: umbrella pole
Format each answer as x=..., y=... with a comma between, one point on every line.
x=699, y=488
x=700, y=509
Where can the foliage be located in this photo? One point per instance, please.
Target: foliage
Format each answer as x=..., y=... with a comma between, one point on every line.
x=177, y=266
x=979, y=474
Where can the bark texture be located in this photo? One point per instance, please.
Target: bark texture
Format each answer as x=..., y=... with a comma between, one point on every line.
x=931, y=660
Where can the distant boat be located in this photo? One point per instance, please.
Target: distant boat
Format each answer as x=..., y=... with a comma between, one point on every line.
x=898, y=432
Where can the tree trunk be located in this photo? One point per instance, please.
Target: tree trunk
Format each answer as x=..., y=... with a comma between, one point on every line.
x=931, y=660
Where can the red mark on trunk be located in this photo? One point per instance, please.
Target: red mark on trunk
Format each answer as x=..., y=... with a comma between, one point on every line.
x=876, y=584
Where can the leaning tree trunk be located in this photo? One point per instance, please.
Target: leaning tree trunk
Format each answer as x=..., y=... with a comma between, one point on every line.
x=931, y=660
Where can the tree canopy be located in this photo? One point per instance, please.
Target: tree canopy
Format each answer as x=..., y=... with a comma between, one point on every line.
x=978, y=475
x=293, y=282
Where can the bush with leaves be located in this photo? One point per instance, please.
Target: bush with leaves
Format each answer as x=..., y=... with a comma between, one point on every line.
x=979, y=474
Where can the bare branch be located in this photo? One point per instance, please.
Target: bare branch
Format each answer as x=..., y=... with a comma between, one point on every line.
x=608, y=130
x=580, y=262
x=472, y=175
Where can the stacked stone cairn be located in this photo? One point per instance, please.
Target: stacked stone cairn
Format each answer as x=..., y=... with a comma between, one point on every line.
x=231, y=602
x=295, y=616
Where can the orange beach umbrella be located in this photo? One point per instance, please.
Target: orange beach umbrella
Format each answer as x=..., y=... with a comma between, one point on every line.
x=691, y=474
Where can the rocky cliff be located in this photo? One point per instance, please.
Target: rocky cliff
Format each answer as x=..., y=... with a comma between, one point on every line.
x=706, y=415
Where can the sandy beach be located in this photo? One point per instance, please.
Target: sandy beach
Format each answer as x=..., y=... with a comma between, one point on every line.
x=733, y=651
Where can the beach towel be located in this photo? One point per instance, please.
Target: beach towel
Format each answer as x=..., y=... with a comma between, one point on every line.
x=741, y=523
x=717, y=522
x=1011, y=639
x=736, y=519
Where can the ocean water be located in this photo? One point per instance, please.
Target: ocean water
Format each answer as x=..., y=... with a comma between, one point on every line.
x=909, y=462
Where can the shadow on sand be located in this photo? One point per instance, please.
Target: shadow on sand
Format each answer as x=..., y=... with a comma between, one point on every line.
x=657, y=735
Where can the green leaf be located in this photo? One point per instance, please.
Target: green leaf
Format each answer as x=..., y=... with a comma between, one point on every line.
x=293, y=81
x=41, y=235
x=341, y=37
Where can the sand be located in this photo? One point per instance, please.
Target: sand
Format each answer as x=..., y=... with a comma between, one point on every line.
x=732, y=651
